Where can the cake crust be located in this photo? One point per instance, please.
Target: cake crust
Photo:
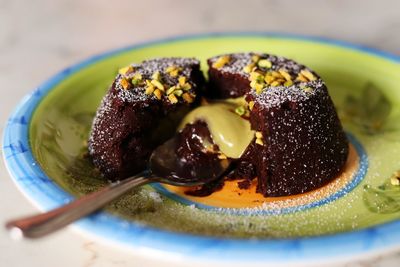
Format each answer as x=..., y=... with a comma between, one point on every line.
x=298, y=145
x=135, y=115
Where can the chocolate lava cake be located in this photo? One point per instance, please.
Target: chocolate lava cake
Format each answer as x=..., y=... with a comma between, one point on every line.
x=140, y=111
x=291, y=139
x=299, y=143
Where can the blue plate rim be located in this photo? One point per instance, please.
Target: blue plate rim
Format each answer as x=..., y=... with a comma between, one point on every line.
x=41, y=190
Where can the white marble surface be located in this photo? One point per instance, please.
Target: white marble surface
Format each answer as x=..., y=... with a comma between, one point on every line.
x=38, y=38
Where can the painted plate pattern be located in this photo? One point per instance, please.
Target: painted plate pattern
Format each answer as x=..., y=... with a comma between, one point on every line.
x=45, y=145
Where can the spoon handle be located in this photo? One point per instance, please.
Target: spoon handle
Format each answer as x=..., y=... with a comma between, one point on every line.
x=42, y=224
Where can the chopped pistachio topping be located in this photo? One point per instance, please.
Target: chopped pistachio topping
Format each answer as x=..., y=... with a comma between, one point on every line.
x=285, y=75
x=178, y=92
x=261, y=79
x=149, y=89
x=157, y=84
x=124, y=83
x=221, y=61
x=156, y=76
x=264, y=63
x=158, y=93
x=275, y=83
x=308, y=75
x=275, y=79
x=170, y=68
x=125, y=70
x=249, y=68
x=137, y=79
x=256, y=76
x=240, y=110
x=276, y=74
x=251, y=105
x=288, y=83
x=174, y=90
x=173, y=93
x=183, y=84
x=255, y=58
x=137, y=76
x=186, y=86
x=173, y=70
x=171, y=90
x=136, y=82
x=189, y=98
x=259, y=138
x=182, y=80
x=269, y=78
x=257, y=82
x=300, y=77
x=156, y=87
x=172, y=98
x=253, y=84
x=260, y=142
x=259, y=87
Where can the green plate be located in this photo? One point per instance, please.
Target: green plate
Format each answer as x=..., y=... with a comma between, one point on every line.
x=364, y=89
x=363, y=84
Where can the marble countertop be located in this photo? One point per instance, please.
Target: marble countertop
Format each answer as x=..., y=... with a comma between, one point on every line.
x=39, y=38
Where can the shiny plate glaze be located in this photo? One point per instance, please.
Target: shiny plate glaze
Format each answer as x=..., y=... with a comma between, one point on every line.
x=362, y=220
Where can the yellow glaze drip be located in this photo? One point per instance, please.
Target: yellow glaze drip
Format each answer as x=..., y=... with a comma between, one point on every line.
x=228, y=130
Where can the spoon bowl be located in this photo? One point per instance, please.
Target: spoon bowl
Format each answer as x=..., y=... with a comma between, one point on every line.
x=169, y=168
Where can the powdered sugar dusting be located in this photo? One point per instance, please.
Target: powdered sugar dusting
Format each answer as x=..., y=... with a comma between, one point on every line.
x=240, y=60
x=114, y=123
x=275, y=96
x=147, y=68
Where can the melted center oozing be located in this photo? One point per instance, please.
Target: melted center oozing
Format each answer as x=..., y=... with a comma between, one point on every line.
x=229, y=131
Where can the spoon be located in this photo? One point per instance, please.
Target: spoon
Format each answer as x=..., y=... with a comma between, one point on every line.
x=164, y=166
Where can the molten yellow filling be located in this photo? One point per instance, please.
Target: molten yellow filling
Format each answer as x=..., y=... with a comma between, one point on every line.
x=229, y=131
